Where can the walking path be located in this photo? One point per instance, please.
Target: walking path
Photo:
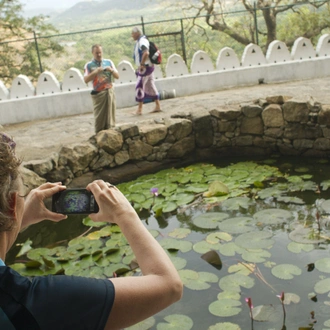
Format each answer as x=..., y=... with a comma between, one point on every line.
x=38, y=139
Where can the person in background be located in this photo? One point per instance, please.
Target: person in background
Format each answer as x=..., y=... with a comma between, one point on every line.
x=145, y=88
x=102, y=72
x=69, y=302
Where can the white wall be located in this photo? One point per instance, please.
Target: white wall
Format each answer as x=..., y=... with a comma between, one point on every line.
x=22, y=102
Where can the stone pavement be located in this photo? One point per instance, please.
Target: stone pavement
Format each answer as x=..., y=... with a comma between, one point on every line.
x=38, y=139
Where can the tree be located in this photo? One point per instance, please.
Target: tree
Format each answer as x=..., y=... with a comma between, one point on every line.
x=260, y=18
x=18, y=51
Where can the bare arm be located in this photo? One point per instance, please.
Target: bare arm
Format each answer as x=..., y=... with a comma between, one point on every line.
x=137, y=297
x=144, y=58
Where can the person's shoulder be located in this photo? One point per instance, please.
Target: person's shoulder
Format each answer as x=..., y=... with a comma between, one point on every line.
x=87, y=64
x=144, y=41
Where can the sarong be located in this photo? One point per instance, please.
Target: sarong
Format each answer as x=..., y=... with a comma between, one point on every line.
x=104, y=109
x=145, y=89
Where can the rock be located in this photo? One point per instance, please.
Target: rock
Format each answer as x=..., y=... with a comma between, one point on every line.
x=251, y=110
x=153, y=134
x=110, y=141
x=272, y=116
x=182, y=148
x=295, y=111
x=31, y=179
x=252, y=125
x=77, y=157
x=139, y=150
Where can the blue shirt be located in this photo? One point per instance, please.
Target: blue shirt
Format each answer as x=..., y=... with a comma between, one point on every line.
x=53, y=302
x=102, y=80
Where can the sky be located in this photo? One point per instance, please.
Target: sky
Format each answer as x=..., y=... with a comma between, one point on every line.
x=56, y=4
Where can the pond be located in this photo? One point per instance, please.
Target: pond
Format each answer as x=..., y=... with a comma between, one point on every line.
x=240, y=233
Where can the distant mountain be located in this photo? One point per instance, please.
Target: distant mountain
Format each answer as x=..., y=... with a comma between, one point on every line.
x=93, y=10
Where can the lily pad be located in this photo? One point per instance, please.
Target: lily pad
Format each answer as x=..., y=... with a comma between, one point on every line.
x=197, y=280
x=323, y=265
x=230, y=249
x=216, y=188
x=225, y=307
x=242, y=268
x=273, y=216
x=291, y=298
x=271, y=192
x=235, y=281
x=144, y=325
x=299, y=247
x=218, y=237
x=266, y=313
x=90, y=223
x=182, y=199
x=305, y=235
x=179, y=263
x=209, y=220
x=286, y=271
x=203, y=246
x=176, y=321
x=234, y=204
x=255, y=240
x=174, y=244
x=237, y=225
x=26, y=247
x=255, y=255
x=322, y=286
x=180, y=232
x=224, y=326
x=169, y=206
x=325, y=185
x=228, y=295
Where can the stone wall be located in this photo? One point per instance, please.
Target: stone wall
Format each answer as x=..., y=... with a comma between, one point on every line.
x=275, y=125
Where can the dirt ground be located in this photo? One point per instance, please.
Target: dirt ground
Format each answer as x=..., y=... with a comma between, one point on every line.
x=38, y=139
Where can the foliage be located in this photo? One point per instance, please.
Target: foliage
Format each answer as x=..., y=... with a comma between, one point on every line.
x=243, y=27
x=21, y=57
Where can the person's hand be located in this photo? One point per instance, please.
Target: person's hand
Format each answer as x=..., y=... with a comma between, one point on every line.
x=108, y=68
x=113, y=205
x=34, y=207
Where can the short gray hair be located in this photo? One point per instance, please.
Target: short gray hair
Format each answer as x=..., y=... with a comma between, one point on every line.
x=137, y=29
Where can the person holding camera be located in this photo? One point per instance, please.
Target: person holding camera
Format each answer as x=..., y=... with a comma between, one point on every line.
x=102, y=72
x=68, y=302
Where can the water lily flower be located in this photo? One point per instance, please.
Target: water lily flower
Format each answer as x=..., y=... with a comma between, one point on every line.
x=154, y=191
x=249, y=302
x=281, y=296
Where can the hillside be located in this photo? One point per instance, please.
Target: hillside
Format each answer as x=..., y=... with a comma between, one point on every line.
x=93, y=14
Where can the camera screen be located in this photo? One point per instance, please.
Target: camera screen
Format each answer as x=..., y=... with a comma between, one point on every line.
x=76, y=202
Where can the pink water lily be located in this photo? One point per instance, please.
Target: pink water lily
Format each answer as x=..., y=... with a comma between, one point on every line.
x=281, y=296
x=249, y=302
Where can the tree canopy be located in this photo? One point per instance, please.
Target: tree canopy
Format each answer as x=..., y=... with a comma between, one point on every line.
x=18, y=48
x=262, y=21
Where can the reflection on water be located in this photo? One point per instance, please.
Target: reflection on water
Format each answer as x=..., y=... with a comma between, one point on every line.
x=195, y=303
